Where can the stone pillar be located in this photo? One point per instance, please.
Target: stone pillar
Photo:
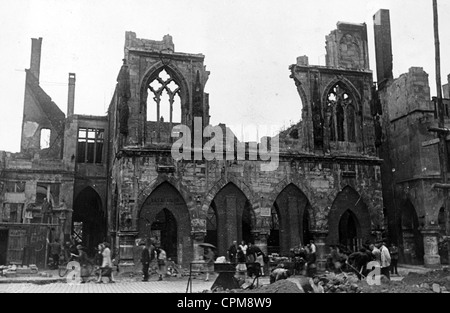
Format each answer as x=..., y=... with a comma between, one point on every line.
x=293, y=214
x=128, y=251
x=321, y=250
x=198, y=237
x=431, y=258
x=231, y=223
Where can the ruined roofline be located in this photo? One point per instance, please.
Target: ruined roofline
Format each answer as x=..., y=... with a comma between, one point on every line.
x=324, y=68
x=161, y=47
x=341, y=23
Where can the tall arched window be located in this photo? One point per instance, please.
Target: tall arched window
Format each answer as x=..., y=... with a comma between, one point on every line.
x=342, y=114
x=163, y=101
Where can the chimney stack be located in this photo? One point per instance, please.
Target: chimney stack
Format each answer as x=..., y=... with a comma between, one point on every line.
x=35, y=63
x=71, y=96
x=383, y=47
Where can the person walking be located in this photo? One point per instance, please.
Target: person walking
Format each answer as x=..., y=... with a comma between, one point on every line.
x=232, y=251
x=241, y=267
x=85, y=263
x=243, y=247
x=145, y=260
x=106, y=267
x=161, y=256
x=385, y=260
x=209, y=260
x=394, y=259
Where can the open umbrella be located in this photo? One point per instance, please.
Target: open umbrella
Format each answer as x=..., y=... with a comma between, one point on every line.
x=207, y=245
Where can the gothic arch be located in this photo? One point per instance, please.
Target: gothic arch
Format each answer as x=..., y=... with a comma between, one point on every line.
x=222, y=183
x=295, y=218
x=147, y=189
x=278, y=188
x=349, y=200
x=164, y=217
x=177, y=76
x=340, y=79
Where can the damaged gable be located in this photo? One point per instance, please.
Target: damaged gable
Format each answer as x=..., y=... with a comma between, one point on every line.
x=41, y=114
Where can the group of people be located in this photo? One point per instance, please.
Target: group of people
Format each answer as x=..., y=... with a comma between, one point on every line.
x=304, y=258
x=149, y=254
x=387, y=259
x=102, y=261
x=249, y=258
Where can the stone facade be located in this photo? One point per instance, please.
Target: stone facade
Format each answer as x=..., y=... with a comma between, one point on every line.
x=319, y=187
x=120, y=181
x=417, y=220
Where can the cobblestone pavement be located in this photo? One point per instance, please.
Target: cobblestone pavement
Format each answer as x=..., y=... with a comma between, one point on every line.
x=175, y=286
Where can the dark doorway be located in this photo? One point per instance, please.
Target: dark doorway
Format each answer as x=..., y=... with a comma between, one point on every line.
x=3, y=246
x=273, y=241
x=348, y=231
x=413, y=249
x=164, y=219
x=292, y=221
x=89, y=220
x=247, y=235
x=164, y=230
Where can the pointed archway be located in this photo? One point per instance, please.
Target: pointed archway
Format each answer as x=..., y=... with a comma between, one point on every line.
x=88, y=220
x=234, y=217
x=164, y=218
x=290, y=220
x=349, y=220
x=349, y=230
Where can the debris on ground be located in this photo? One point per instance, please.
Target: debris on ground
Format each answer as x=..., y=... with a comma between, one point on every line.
x=437, y=281
x=14, y=270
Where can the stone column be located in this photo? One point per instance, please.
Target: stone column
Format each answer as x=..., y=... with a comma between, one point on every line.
x=293, y=222
x=198, y=237
x=321, y=250
x=431, y=258
x=231, y=229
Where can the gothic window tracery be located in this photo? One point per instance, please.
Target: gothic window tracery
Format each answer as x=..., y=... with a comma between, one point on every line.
x=163, y=101
x=341, y=109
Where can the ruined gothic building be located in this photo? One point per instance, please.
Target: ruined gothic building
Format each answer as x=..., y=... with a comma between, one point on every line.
x=113, y=177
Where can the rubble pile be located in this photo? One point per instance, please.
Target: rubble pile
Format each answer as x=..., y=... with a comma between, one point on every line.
x=437, y=281
x=281, y=286
x=340, y=283
x=18, y=270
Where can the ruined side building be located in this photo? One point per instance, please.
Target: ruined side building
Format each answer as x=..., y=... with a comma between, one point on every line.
x=114, y=178
x=417, y=219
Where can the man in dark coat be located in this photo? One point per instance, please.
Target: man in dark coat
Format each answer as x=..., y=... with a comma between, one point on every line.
x=232, y=252
x=145, y=260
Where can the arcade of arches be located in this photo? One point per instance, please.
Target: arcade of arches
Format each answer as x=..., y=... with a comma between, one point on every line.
x=165, y=219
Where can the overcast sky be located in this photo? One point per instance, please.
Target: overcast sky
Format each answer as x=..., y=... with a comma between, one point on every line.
x=248, y=47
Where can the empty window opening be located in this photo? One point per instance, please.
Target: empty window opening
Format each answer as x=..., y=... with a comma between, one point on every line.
x=45, y=138
x=90, y=145
x=342, y=126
